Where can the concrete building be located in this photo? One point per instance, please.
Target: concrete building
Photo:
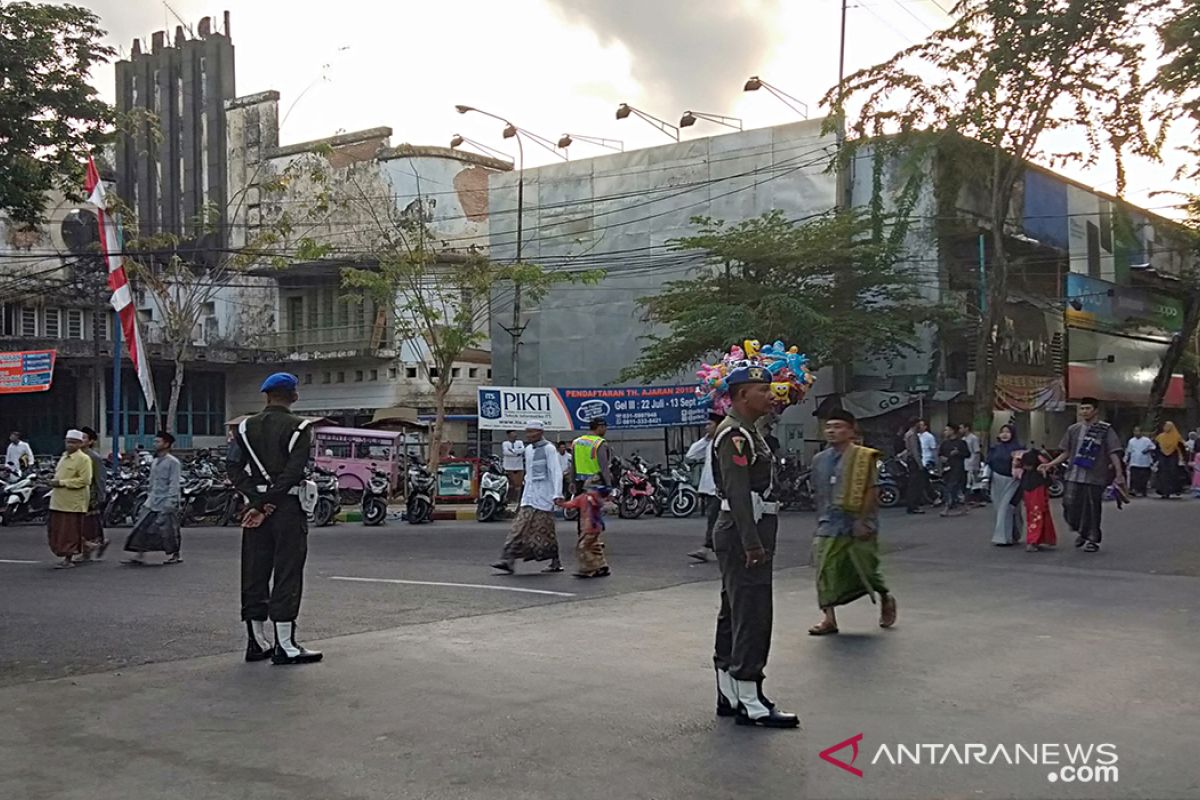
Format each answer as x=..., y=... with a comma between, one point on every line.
x=618, y=212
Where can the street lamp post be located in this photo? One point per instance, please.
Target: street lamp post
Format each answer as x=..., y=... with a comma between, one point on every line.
x=690, y=118
x=799, y=106
x=625, y=110
x=511, y=131
x=566, y=140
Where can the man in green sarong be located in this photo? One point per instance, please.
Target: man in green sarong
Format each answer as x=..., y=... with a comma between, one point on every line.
x=846, y=546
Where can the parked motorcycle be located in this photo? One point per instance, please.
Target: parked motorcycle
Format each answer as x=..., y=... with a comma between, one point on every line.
x=325, y=511
x=493, y=491
x=375, y=497
x=209, y=500
x=893, y=484
x=673, y=492
x=636, y=490
x=25, y=499
x=793, y=485
x=419, y=505
x=126, y=496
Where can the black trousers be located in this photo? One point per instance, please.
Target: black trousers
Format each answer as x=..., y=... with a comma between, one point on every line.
x=277, y=549
x=743, y=639
x=712, y=510
x=1139, y=480
x=917, y=481
x=1083, y=506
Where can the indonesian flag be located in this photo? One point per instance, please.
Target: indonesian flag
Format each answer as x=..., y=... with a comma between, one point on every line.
x=122, y=298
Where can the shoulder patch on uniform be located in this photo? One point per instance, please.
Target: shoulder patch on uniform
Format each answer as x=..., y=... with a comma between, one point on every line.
x=738, y=443
x=740, y=461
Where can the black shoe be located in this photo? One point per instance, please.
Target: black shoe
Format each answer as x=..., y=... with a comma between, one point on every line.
x=503, y=566
x=287, y=651
x=775, y=719
x=724, y=709
x=255, y=651
x=1091, y=547
x=1080, y=540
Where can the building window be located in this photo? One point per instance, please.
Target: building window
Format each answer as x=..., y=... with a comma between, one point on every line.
x=358, y=376
x=392, y=373
x=411, y=372
x=489, y=373
x=52, y=319
x=473, y=372
x=433, y=372
x=454, y=372
x=374, y=374
x=74, y=323
x=325, y=377
x=307, y=378
x=341, y=377
x=29, y=322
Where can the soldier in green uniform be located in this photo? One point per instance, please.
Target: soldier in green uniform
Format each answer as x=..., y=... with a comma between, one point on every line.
x=266, y=462
x=744, y=541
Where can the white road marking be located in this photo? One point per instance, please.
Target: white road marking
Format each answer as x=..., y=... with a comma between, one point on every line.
x=453, y=585
x=15, y=561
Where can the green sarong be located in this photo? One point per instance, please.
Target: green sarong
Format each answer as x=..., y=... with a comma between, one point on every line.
x=847, y=569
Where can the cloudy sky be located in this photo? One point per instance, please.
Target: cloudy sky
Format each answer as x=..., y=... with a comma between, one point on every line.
x=551, y=66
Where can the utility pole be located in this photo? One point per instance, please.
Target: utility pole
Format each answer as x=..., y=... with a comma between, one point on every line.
x=517, y=329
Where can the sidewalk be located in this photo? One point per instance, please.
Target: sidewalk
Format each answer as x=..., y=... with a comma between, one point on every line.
x=612, y=699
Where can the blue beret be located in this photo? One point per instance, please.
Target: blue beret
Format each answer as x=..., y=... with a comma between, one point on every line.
x=280, y=380
x=750, y=374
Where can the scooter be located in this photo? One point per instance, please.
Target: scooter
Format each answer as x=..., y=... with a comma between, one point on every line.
x=673, y=492
x=493, y=492
x=636, y=490
x=794, y=485
x=893, y=484
x=375, y=497
x=27, y=499
x=328, y=500
x=419, y=506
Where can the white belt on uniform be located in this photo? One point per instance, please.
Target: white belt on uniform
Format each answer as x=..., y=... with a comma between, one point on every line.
x=294, y=491
x=760, y=508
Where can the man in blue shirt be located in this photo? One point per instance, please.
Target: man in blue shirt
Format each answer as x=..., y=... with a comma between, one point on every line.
x=158, y=527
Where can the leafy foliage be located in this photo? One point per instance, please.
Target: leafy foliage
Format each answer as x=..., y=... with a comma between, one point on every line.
x=51, y=115
x=440, y=300
x=1009, y=74
x=828, y=284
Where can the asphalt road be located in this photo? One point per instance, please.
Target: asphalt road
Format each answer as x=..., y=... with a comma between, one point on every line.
x=597, y=688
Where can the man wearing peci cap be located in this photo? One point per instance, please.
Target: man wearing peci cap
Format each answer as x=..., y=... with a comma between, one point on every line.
x=266, y=461
x=158, y=528
x=744, y=541
x=71, y=490
x=533, y=537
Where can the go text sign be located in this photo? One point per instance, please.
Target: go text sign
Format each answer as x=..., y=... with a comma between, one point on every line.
x=26, y=371
x=565, y=409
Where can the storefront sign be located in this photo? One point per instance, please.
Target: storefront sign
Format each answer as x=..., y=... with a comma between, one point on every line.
x=1117, y=368
x=1130, y=311
x=28, y=371
x=454, y=479
x=509, y=408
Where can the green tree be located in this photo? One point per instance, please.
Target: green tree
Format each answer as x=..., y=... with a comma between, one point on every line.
x=836, y=285
x=51, y=115
x=184, y=277
x=1178, y=83
x=1010, y=74
x=441, y=301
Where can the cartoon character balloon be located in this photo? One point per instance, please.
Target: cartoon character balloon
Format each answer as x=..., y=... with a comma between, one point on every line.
x=790, y=376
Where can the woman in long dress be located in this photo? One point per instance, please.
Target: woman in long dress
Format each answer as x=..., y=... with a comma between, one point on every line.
x=1010, y=518
x=1169, y=449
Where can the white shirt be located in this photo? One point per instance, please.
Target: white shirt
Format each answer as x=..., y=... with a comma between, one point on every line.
x=15, y=452
x=512, y=452
x=1140, y=451
x=928, y=448
x=973, y=445
x=702, y=449
x=543, y=476
x=565, y=460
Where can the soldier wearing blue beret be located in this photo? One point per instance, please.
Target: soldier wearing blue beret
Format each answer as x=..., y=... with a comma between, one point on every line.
x=744, y=542
x=266, y=462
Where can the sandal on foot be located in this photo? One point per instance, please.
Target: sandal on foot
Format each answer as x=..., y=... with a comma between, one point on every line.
x=553, y=568
x=887, y=612
x=1031, y=548
x=822, y=629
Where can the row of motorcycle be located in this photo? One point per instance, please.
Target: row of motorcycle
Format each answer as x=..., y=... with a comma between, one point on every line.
x=895, y=474
x=207, y=496
x=639, y=488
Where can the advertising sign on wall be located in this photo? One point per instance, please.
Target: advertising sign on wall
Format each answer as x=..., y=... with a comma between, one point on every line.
x=623, y=408
x=1117, y=368
x=1110, y=308
x=27, y=371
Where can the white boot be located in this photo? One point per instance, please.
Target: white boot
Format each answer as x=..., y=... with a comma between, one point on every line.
x=286, y=649
x=753, y=711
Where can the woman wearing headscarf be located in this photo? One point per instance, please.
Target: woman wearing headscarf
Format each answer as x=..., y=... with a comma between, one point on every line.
x=1168, y=480
x=1010, y=518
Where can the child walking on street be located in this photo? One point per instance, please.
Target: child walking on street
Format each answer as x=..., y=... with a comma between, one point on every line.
x=589, y=550
x=1035, y=491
